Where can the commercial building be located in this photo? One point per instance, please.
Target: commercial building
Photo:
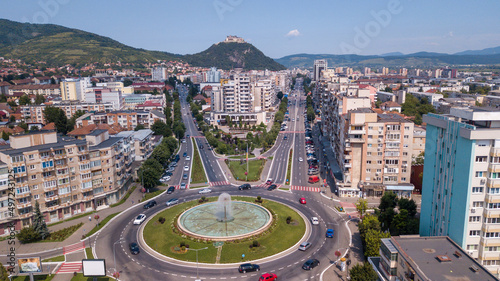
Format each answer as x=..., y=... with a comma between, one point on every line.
x=66, y=176
x=461, y=182
x=426, y=259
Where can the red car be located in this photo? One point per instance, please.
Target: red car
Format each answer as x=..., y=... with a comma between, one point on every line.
x=268, y=277
x=302, y=200
x=269, y=181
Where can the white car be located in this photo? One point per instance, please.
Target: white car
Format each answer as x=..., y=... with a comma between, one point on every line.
x=140, y=218
x=188, y=158
x=205, y=190
x=314, y=220
x=300, y=159
x=186, y=168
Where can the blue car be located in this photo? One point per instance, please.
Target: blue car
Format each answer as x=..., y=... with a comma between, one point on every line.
x=329, y=233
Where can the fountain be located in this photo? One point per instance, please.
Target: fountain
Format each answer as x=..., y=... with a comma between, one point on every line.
x=224, y=220
x=224, y=211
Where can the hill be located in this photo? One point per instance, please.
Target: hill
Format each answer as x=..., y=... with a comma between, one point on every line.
x=232, y=55
x=487, y=51
x=58, y=45
x=421, y=59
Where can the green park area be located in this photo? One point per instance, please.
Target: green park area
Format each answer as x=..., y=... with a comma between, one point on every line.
x=238, y=169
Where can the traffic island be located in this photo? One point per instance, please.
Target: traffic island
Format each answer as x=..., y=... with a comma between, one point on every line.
x=239, y=169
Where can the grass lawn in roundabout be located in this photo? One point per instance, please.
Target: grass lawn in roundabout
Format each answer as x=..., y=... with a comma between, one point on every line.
x=165, y=239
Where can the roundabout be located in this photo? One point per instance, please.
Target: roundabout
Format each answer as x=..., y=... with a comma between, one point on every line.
x=252, y=231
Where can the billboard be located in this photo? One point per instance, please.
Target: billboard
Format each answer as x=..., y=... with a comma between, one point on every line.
x=29, y=265
x=94, y=268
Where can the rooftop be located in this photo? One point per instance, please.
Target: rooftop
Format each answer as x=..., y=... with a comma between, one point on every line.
x=439, y=258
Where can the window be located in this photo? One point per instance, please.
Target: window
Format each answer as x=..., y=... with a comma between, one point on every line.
x=20, y=169
x=32, y=167
x=474, y=233
x=47, y=164
x=379, y=153
x=403, y=179
x=494, y=175
x=481, y=159
x=63, y=181
x=477, y=204
x=15, y=159
x=495, y=160
x=64, y=190
x=48, y=184
x=34, y=187
x=406, y=136
x=493, y=205
x=407, y=128
x=84, y=167
x=22, y=190
x=368, y=170
x=491, y=262
x=85, y=176
x=369, y=162
x=493, y=190
x=474, y=219
x=491, y=234
x=492, y=220
x=36, y=196
x=368, y=154
x=477, y=189
x=44, y=154
x=480, y=174
x=391, y=162
x=86, y=185
x=492, y=248
x=379, y=162
x=379, y=170
x=405, y=153
x=31, y=156
x=33, y=177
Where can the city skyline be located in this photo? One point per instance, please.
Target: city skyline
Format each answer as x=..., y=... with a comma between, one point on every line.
x=324, y=28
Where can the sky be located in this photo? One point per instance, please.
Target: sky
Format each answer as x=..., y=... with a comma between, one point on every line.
x=277, y=28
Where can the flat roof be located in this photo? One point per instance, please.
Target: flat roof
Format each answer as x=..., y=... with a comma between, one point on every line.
x=43, y=147
x=422, y=252
x=107, y=143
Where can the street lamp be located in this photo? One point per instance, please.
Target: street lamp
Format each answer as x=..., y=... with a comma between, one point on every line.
x=114, y=253
x=196, y=250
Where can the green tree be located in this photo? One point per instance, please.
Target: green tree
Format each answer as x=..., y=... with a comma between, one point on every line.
x=408, y=205
x=399, y=223
x=56, y=115
x=310, y=114
x=368, y=222
x=388, y=201
x=28, y=235
x=4, y=274
x=160, y=128
x=72, y=121
x=279, y=95
x=139, y=127
x=39, y=224
x=373, y=241
x=363, y=272
x=386, y=218
x=362, y=206
x=388, y=89
x=24, y=100
x=39, y=99
x=24, y=126
x=127, y=82
x=12, y=119
x=179, y=129
x=161, y=153
x=150, y=173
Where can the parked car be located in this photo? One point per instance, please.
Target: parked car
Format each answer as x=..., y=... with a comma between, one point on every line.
x=248, y=267
x=245, y=186
x=313, y=179
x=268, y=277
x=150, y=204
x=134, y=248
x=272, y=187
x=172, y=202
x=304, y=246
x=205, y=190
x=310, y=264
x=139, y=219
x=329, y=233
x=315, y=220
x=170, y=190
x=302, y=200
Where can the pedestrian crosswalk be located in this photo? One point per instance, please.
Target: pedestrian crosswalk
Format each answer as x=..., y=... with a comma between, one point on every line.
x=73, y=248
x=305, y=188
x=179, y=187
x=267, y=185
x=70, y=267
x=219, y=183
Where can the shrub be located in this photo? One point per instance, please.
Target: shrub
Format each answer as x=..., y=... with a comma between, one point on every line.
x=182, y=244
x=256, y=243
x=288, y=219
x=28, y=235
x=187, y=246
x=161, y=220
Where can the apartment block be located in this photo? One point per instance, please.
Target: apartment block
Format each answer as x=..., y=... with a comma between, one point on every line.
x=65, y=175
x=414, y=258
x=34, y=113
x=128, y=119
x=74, y=89
x=319, y=66
x=44, y=90
x=461, y=182
x=374, y=152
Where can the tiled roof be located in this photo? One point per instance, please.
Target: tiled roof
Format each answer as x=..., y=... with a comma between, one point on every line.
x=49, y=127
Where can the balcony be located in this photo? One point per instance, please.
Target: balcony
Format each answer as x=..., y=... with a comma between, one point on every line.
x=23, y=195
x=51, y=198
x=52, y=208
x=50, y=188
x=491, y=228
x=347, y=165
x=357, y=132
x=494, y=168
x=59, y=156
x=493, y=183
x=495, y=152
x=22, y=206
x=491, y=213
x=492, y=198
x=27, y=215
x=355, y=140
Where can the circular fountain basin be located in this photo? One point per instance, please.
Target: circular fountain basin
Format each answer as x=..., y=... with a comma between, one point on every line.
x=203, y=221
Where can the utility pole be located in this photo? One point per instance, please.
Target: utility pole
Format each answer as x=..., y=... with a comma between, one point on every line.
x=196, y=250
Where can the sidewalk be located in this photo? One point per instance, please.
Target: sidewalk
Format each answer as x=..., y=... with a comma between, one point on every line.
x=75, y=238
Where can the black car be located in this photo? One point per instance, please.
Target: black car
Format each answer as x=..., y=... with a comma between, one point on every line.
x=185, y=154
x=134, y=248
x=272, y=187
x=168, y=174
x=310, y=264
x=285, y=137
x=201, y=146
x=150, y=204
x=245, y=186
x=248, y=267
x=170, y=190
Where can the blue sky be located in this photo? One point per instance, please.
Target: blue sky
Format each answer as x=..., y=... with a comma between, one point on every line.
x=278, y=28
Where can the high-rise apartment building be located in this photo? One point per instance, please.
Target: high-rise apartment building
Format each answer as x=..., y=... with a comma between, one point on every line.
x=319, y=65
x=213, y=75
x=66, y=176
x=159, y=73
x=461, y=182
x=74, y=89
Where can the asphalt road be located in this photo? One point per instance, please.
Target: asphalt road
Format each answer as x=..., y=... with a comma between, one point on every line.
x=146, y=267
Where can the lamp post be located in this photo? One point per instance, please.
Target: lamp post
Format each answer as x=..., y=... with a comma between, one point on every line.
x=114, y=253
x=196, y=250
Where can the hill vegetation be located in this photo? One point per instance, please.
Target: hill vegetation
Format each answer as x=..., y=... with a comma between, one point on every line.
x=57, y=46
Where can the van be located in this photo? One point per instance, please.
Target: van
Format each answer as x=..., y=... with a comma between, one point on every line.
x=313, y=179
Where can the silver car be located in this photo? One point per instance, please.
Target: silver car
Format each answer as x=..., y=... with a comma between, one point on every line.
x=304, y=246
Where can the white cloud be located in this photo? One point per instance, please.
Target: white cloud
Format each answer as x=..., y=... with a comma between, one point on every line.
x=293, y=33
